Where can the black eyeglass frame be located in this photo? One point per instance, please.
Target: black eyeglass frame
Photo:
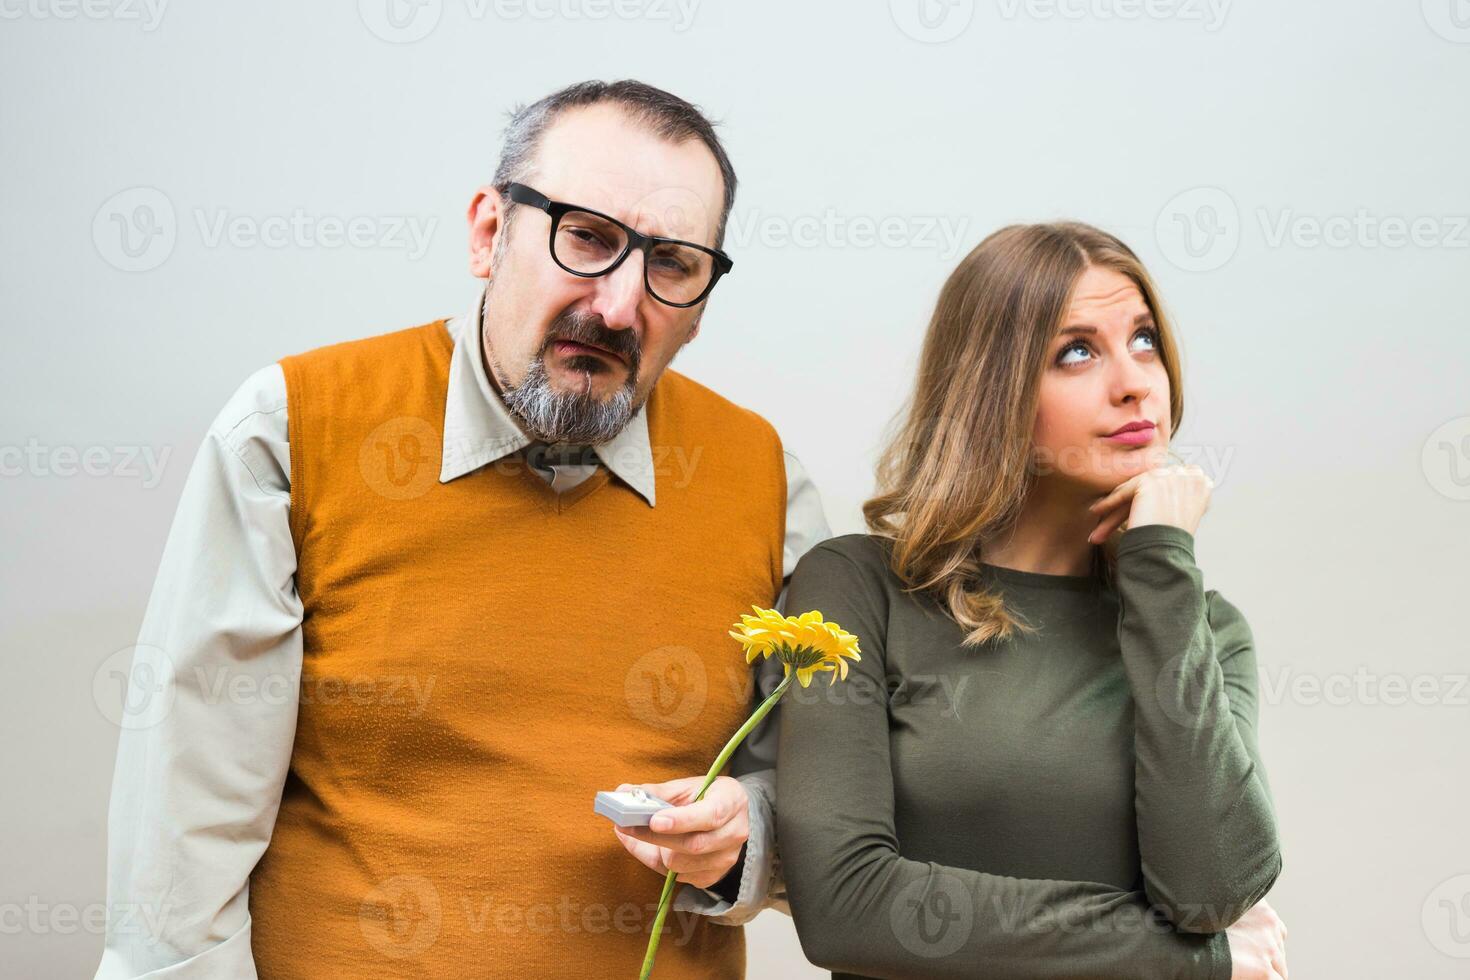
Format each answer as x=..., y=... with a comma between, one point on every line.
x=522, y=194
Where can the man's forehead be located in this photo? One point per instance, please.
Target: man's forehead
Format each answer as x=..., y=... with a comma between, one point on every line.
x=601, y=158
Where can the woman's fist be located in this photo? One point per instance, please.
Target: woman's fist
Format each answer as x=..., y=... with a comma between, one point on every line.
x=1258, y=945
x=1177, y=495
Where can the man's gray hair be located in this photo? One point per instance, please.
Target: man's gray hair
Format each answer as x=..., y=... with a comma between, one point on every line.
x=666, y=115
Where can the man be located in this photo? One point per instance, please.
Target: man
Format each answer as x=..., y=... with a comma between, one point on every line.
x=427, y=593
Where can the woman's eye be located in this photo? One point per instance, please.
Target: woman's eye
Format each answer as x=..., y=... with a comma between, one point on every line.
x=1064, y=356
x=1077, y=352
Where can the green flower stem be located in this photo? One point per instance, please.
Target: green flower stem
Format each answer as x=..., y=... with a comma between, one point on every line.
x=714, y=770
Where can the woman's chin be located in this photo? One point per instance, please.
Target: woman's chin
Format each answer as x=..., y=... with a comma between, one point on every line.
x=1126, y=463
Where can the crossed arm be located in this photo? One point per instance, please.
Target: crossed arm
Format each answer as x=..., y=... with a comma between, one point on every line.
x=860, y=906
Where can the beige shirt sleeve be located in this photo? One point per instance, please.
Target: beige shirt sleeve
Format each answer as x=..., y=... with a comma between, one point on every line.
x=209, y=716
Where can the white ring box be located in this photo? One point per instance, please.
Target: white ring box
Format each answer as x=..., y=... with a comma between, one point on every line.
x=630, y=808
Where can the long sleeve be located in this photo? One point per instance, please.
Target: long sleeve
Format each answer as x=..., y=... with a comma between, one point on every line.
x=861, y=907
x=760, y=884
x=1206, y=829
x=210, y=709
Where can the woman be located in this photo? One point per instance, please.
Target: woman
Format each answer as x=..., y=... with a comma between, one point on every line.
x=1045, y=764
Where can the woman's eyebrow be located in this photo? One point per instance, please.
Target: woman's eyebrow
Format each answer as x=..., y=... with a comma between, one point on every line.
x=1138, y=321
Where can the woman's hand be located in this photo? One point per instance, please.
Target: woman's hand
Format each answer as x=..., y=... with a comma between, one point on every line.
x=1177, y=495
x=1258, y=945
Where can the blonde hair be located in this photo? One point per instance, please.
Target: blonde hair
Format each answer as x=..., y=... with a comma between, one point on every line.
x=959, y=465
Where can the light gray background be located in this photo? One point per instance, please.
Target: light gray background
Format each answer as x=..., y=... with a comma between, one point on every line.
x=1326, y=378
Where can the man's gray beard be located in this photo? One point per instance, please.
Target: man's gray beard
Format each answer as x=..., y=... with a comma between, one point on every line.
x=575, y=417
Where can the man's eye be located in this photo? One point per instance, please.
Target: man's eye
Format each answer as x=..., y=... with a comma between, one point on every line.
x=670, y=263
x=586, y=236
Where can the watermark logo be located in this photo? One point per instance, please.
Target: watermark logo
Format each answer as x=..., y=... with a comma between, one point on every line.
x=1450, y=19
x=37, y=459
x=933, y=916
x=666, y=688
x=407, y=21
x=148, y=14
x=932, y=21
x=1199, y=229
x=135, y=230
x=134, y=687
x=1209, y=13
x=299, y=229
x=1445, y=459
x=1446, y=917
x=1363, y=229
x=673, y=211
x=1364, y=687
x=400, y=458
x=400, y=21
x=37, y=917
x=402, y=916
x=1182, y=687
x=943, y=234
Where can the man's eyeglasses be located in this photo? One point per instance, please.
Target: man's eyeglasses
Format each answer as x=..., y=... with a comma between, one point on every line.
x=589, y=243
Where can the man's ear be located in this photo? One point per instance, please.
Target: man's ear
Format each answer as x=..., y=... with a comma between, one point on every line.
x=486, y=225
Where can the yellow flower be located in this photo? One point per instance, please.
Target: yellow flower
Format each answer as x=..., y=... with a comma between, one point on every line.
x=807, y=643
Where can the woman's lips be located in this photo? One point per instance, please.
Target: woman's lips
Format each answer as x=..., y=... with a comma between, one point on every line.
x=1133, y=437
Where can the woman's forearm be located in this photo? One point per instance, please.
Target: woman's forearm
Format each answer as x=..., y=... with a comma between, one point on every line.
x=1206, y=828
x=861, y=908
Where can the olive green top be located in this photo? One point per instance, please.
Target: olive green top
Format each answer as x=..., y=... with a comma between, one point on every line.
x=1085, y=801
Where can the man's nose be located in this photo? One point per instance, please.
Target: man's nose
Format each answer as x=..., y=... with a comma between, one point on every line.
x=619, y=294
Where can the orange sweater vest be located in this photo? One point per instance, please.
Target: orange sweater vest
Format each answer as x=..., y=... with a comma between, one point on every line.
x=481, y=657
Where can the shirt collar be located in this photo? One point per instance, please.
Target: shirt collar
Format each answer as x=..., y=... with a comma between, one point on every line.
x=479, y=429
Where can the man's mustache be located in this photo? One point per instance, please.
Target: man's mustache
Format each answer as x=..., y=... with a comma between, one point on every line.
x=591, y=329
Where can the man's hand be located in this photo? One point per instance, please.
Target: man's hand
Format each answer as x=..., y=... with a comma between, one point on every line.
x=1258, y=945
x=698, y=841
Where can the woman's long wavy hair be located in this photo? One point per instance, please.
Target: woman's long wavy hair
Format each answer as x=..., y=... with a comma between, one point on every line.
x=960, y=463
